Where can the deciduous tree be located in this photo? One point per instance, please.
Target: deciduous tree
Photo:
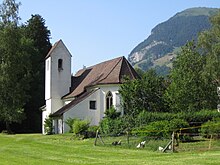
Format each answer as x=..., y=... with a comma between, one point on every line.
x=145, y=93
x=186, y=91
x=14, y=65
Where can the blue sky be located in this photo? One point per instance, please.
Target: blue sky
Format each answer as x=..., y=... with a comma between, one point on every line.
x=98, y=30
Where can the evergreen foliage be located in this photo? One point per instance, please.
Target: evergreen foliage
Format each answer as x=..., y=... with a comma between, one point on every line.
x=48, y=126
x=36, y=30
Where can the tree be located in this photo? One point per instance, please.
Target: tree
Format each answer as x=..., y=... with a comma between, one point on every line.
x=209, y=42
x=143, y=94
x=187, y=91
x=36, y=30
x=14, y=66
x=9, y=12
x=14, y=75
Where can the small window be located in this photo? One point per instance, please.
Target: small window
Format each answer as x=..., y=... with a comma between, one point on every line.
x=92, y=105
x=60, y=64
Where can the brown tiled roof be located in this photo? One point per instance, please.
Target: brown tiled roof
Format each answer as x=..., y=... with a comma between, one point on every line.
x=73, y=103
x=108, y=72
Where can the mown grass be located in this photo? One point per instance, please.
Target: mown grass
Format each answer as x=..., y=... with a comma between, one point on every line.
x=60, y=149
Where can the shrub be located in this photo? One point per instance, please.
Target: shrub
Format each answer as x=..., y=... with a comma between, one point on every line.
x=70, y=122
x=80, y=126
x=199, y=116
x=211, y=128
x=48, y=126
x=93, y=128
x=157, y=129
x=177, y=124
x=112, y=113
x=147, y=117
x=160, y=129
x=112, y=127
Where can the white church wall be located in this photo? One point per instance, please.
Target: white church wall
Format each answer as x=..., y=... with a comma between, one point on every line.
x=47, y=78
x=57, y=78
x=61, y=78
x=82, y=111
x=46, y=113
x=114, y=90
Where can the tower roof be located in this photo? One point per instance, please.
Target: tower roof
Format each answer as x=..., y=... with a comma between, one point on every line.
x=58, y=43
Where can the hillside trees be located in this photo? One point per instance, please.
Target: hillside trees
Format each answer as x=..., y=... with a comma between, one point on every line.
x=15, y=51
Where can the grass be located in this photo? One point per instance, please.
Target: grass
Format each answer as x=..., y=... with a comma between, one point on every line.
x=60, y=149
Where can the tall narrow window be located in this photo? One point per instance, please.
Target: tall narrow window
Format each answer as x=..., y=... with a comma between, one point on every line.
x=60, y=64
x=109, y=100
x=48, y=64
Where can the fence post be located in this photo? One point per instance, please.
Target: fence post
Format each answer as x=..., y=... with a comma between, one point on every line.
x=172, y=144
x=96, y=136
x=127, y=137
x=210, y=142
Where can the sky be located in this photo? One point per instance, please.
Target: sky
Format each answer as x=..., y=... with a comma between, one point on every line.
x=98, y=30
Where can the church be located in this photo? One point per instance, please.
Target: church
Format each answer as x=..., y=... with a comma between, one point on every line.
x=87, y=94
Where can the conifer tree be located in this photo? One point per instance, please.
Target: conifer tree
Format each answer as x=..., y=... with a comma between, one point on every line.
x=36, y=30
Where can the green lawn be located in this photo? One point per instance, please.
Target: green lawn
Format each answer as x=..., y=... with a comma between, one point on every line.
x=60, y=149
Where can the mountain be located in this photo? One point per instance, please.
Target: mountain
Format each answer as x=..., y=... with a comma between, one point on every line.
x=161, y=47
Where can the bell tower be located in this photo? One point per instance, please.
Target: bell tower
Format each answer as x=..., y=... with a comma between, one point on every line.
x=57, y=78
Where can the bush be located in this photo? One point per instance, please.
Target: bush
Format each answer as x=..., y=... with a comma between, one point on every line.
x=177, y=124
x=161, y=129
x=70, y=122
x=112, y=127
x=211, y=128
x=80, y=126
x=112, y=113
x=147, y=117
x=197, y=118
x=157, y=129
x=91, y=132
x=48, y=126
x=93, y=128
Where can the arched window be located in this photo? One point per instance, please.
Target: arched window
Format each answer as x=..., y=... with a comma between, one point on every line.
x=109, y=100
x=60, y=64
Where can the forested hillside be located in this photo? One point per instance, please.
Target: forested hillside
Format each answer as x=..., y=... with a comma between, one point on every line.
x=168, y=36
